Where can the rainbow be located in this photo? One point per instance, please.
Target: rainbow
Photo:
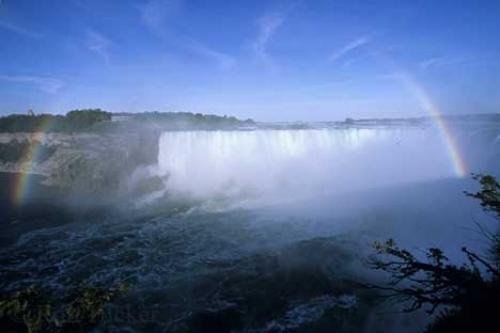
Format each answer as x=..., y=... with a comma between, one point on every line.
x=30, y=156
x=459, y=165
x=460, y=168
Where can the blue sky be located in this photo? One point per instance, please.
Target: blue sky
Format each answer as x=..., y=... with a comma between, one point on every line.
x=268, y=60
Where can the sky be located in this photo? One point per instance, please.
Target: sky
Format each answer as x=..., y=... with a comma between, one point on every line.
x=266, y=60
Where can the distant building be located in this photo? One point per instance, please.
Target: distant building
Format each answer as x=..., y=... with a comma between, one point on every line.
x=121, y=117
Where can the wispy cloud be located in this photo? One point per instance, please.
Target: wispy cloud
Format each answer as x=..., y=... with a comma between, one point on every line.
x=19, y=30
x=351, y=46
x=429, y=62
x=448, y=61
x=267, y=25
x=46, y=84
x=156, y=16
x=223, y=60
x=98, y=43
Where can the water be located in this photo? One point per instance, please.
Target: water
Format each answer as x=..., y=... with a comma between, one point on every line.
x=208, y=163
x=262, y=230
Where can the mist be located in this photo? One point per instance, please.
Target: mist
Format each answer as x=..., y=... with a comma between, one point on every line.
x=275, y=166
x=391, y=181
x=296, y=162
x=215, y=216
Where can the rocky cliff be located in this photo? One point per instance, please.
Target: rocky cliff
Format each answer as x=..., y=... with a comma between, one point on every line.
x=80, y=162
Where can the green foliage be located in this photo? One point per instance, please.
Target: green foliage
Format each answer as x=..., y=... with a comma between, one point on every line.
x=36, y=311
x=79, y=120
x=195, y=120
x=489, y=198
x=470, y=293
x=27, y=306
x=433, y=281
x=74, y=121
x=96, y=119
x=87, y=303
x=489, y=195
x=28, y=123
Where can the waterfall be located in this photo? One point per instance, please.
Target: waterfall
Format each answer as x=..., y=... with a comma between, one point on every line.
x=297, y=160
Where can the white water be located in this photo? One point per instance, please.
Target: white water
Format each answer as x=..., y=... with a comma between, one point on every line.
x=288, y=161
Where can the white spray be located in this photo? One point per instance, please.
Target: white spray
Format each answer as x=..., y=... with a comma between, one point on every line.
x=290, y=161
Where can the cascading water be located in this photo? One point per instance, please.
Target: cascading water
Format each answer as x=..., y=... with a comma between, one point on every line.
x=295, y=161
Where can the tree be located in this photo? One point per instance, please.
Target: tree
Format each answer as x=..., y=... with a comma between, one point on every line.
x=468, y=296
x=73, y=121
x=84, y=119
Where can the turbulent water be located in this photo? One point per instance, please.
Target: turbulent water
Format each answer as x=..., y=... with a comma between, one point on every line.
x=200, y=257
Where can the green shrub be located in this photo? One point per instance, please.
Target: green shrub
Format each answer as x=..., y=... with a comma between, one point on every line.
x=73, y=121
x=468, y=296
x=34, y=310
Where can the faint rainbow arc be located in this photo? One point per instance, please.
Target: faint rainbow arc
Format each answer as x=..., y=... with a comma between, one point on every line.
x=30, y=156
x=458, y=162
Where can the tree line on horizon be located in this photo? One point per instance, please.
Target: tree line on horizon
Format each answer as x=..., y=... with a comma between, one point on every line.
x=87, y=119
